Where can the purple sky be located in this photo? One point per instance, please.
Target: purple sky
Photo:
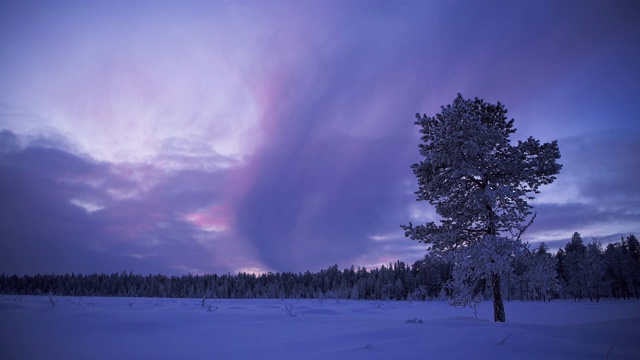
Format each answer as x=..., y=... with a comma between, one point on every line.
x=214, y=136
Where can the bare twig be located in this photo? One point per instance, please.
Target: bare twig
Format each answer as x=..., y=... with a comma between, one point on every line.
x=52, y=300
x=608, y=352
x=504, y=340
x=289, y=309
x=210, y=307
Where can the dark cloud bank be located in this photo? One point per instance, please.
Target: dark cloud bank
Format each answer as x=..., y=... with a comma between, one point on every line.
x=305, y=209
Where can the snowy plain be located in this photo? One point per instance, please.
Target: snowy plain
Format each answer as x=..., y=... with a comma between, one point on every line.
x=150, y=328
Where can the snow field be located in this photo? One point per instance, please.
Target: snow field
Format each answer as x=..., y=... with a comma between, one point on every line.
x=148, y=328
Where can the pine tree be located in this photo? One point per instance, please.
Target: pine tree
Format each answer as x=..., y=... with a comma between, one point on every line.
x=615, y=254
x=595, y=266
x=561, y=270
x=479, y=184
x=575, y=267
x=633, y=264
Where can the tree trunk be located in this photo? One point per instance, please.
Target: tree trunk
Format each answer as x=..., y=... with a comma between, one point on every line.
x=498, y=305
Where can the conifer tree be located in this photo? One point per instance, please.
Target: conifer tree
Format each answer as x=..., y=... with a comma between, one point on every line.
x=575, y=267
x=479, y=183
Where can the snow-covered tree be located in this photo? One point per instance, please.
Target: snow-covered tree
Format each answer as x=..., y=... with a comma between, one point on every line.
x=479, y=183
x=541, y=276
x=475, y=266
x=575, y=264
x=595, y=270
x=561, y=269
x=623, y=267
x=355, y=295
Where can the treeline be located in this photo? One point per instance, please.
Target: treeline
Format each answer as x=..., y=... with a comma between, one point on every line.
x=388, y=282
x=578, y=271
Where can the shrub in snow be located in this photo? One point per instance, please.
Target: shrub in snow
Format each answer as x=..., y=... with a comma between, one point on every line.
x=205, y=304
x=289, y=309
x=413, y=321
x=210, y=307
x=52, y=299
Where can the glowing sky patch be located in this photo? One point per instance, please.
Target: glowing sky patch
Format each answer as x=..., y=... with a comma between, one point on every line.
x=213, y=219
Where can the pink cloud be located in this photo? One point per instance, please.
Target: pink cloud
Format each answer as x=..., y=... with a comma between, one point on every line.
x=217, y=218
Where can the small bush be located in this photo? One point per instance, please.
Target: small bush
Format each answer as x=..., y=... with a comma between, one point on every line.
x=414, y=321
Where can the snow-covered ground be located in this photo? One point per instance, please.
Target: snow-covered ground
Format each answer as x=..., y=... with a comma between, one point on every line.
x=141, y=328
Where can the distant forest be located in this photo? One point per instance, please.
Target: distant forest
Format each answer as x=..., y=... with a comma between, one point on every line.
x=578, y=271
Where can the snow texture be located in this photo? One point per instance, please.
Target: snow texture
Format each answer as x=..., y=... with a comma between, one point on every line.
x=148, y=328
